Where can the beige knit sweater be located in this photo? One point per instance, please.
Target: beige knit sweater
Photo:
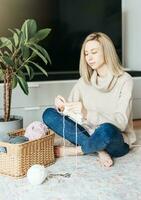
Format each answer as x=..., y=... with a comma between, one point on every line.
x=106, y=99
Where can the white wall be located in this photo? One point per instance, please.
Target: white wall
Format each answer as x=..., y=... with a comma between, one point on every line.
x=131, y=33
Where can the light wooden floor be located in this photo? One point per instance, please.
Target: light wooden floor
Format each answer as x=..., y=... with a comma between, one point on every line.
x=137, y=124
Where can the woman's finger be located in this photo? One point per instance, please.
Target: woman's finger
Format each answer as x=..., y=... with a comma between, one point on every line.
x=61, y=98
x=59, y=103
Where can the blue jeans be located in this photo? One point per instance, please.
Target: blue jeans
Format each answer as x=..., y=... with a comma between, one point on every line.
x=106, y=137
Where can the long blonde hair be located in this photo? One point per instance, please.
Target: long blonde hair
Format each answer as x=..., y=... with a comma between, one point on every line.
x=110, y=55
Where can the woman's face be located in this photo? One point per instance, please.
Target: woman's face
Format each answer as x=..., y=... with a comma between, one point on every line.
x=94, y=54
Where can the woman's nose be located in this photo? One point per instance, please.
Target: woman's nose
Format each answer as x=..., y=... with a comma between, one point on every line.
x=90, y=57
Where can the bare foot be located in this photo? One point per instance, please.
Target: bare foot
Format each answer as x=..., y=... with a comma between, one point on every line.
x=60, y=151
x=105, y=159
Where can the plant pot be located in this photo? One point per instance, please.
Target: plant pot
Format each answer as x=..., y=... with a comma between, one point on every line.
x=16, y=122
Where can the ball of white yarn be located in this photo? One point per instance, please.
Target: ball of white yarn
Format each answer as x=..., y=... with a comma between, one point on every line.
x=36, y=174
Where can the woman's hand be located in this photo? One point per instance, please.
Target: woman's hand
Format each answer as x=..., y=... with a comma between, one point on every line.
x=72, y=107
x=60, y=103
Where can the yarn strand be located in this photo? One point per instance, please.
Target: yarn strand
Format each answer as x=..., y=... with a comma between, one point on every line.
x=76, y=156
x=64, y=135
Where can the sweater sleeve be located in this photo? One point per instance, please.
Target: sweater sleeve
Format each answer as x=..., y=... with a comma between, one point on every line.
x=120, y=117
x=76, y=96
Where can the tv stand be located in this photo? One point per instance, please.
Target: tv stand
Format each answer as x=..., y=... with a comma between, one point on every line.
x=42, y=94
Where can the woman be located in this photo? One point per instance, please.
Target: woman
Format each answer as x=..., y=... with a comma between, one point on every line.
x=103, y=96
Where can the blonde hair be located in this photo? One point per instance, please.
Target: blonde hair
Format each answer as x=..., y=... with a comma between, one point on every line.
x=110, y=55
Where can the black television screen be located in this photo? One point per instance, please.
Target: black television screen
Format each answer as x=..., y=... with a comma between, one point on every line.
x=71, y=21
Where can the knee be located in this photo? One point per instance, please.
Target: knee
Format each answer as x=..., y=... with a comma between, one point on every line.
x=108, y=130
x=108, y=126
x=48, y=115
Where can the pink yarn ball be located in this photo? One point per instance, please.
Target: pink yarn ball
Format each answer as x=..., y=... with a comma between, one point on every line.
x=36, y=130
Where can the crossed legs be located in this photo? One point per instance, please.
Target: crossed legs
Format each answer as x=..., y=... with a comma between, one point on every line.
x=107, y=139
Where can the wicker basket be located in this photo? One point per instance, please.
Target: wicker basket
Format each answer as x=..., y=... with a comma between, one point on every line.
x=20, y=157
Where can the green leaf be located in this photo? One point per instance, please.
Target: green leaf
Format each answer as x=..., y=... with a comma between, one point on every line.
x=39, y=67
x=39, y=54
x=43, y=51
x=40, y=35
x=28, y=70
x=33, y=55
x=19, y=34
x=32, y=73
x=6, y=42
x=25, y=52
x=21, y=74
x=15, y=37
x=23, y=84
x=13, y=44
x=7, y=53
x=8, y=61
x=12, y=31
x=22, y=39
x=29, y=28
x=18, y=31
x=14, y=82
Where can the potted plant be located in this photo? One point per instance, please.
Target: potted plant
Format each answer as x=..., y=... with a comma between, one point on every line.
x=17, y=54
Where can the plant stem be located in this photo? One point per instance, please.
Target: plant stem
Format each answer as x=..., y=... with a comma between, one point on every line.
x=7, y=93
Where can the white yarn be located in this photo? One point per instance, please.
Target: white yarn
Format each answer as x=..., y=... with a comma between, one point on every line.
x=76, y=157
x=64, y=135
x=36, y=174
x=78, y=119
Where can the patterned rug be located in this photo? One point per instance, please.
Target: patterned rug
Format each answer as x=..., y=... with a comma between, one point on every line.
x=82, y=178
